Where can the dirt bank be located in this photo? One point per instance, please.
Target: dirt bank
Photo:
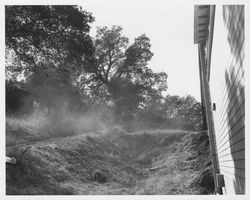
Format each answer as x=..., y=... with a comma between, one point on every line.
x=116, y=162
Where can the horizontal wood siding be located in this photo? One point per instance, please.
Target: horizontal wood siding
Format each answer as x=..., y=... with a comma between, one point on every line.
x=228, y=92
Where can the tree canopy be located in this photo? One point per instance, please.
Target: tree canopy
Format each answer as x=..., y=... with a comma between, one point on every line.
x=62, y=65
x=47, y=37
x=121, y=69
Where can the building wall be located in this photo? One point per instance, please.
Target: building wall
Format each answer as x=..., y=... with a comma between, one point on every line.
x=228, y=93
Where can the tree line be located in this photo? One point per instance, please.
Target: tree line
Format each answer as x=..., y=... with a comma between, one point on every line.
x=51, y=59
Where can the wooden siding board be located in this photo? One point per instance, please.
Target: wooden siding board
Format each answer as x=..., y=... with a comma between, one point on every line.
x=231, y=164
x=239, y=145
x=228, y=92
x=240, y=154
x=238, y=114
x=229, y=112
x=232, y=175
x=234, y=136
x=228, y=157
x=231, y=115
x=239, y=76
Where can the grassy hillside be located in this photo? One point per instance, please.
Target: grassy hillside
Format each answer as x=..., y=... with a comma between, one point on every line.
x=112, y=162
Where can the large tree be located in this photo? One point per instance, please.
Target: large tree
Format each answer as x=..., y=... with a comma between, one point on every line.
x=49, y=46
x=121, y=73
x=46, y=38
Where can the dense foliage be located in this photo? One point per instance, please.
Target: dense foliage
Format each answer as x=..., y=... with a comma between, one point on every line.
x=50, y=54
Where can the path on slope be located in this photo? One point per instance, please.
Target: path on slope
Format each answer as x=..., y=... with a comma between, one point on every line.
x=146, y=162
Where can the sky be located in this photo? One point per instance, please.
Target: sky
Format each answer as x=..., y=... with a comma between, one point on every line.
x=170, y=29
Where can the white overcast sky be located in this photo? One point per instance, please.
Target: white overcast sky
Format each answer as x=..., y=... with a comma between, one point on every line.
x=170, y=29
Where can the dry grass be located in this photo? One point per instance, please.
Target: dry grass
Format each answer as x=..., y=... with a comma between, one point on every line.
x=146, y=162
x=177, y=166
